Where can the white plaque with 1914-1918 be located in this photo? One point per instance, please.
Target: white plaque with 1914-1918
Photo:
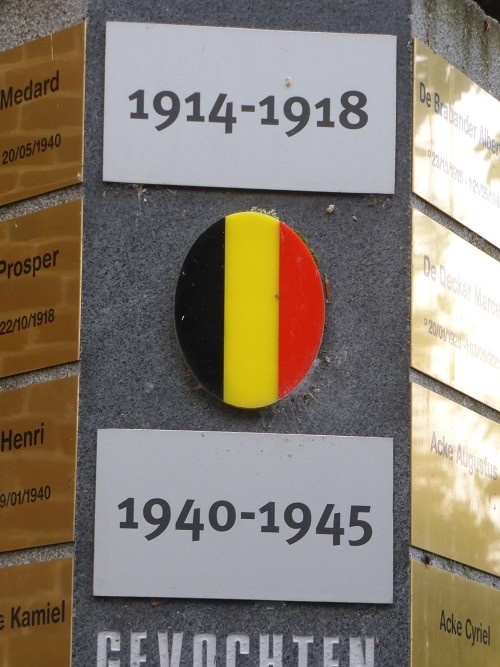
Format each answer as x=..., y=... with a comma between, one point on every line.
x=238, y=108
x=243, y=516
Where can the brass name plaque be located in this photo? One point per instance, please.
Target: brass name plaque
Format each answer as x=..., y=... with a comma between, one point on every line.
x=456, y=144
x=455, y=484
x=38, y=426
x=455, y=311
x=454, y=621
x=40, y=286
x=41, y=115
x=36, y=614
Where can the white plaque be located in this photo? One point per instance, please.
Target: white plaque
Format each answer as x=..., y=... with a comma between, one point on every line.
x=239, y=108
x=243, y=516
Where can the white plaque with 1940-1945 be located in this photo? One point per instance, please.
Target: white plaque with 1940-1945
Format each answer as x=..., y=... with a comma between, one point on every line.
x=260, y=109
x=204, y=514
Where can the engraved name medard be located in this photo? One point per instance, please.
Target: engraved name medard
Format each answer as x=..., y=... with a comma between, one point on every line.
x=32, y=91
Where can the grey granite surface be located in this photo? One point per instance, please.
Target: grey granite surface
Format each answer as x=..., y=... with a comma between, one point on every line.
x=132, y=373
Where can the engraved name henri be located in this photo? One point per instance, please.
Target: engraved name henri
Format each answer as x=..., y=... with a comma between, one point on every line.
x=31, y=618
x=12, y=440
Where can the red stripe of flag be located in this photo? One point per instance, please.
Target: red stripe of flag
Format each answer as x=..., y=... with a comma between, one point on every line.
x=301, y=311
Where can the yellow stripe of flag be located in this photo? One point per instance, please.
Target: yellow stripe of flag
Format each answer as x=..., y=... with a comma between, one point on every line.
x=251, y=309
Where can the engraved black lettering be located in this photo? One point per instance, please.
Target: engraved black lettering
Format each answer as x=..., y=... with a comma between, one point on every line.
x=28, y=618
x=10, y=440
x=6, y=98
x=32, y=90
x=29, y=265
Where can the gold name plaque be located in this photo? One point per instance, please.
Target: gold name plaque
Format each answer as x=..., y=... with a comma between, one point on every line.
x=41, y=115
x=456, y=144
x=40, y=286
x=455, y=311
x=454, y=621
x=455, y=483
x=36, y=614
x=38, y=426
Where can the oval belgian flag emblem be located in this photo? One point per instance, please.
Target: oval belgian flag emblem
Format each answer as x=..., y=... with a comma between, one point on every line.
x=249, y=309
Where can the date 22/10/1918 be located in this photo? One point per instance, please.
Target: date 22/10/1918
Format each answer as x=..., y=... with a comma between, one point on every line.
x=222, y=516
x=296, y=109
